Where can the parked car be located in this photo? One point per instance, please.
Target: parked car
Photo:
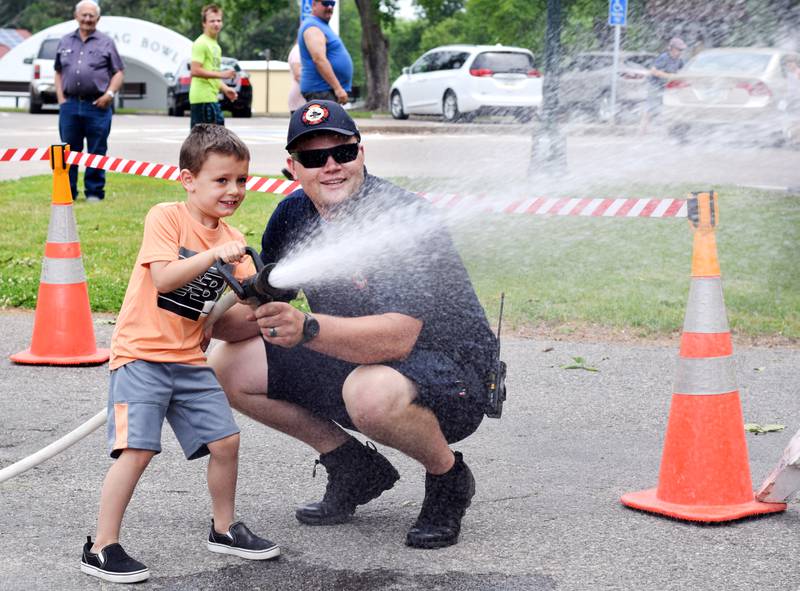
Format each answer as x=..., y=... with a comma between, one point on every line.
x=178, y=90
x=42, y=87
x=585, y=82
x=461, y=81
x=741, y=90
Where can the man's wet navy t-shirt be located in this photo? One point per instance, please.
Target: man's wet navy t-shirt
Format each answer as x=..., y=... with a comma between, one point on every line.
x=423, y=278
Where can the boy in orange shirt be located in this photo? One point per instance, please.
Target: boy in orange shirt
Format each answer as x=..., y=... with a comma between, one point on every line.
x=158, y=368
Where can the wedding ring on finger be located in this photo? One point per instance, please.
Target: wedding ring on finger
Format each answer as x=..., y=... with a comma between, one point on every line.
x=273, y=332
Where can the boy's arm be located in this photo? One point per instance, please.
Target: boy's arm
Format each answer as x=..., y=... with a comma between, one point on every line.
x=199, y=71
x=236, y=324
x=170, y=275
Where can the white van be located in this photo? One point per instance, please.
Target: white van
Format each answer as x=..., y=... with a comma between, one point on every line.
x=459, y=82
x=43, y=88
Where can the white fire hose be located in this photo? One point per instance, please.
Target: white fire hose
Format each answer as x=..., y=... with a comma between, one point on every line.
x=54, y=448
x=97, y=420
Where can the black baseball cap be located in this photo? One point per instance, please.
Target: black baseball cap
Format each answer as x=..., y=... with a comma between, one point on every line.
x=320, y=116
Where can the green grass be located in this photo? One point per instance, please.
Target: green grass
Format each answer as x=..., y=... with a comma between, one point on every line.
x=630, y=274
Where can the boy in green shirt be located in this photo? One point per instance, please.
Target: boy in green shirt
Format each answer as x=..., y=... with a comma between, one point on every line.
x=206, y=74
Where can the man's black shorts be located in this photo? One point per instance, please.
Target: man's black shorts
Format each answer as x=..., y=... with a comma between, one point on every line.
x=314, y=381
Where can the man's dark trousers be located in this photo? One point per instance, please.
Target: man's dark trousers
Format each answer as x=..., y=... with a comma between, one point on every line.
x=79, y=119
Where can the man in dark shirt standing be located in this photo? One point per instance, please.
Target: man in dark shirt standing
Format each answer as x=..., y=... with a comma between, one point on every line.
x=327, y=66
x=664, y=66
x=397, y=345
x=88, y=76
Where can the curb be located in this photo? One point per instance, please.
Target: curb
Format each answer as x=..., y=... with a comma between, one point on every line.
x=501, y=127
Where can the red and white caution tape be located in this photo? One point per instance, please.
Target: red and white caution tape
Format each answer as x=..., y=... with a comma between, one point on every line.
x=564, y=206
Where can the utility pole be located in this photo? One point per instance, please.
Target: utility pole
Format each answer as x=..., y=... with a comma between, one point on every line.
x=549, y=153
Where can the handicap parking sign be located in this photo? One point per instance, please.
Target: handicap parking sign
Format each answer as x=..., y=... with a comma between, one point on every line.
x=617, y=12
x=305, y=9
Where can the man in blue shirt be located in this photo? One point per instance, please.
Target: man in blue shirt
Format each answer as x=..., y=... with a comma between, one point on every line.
x=396, y=347
x=88, y=74
x=327, y=69
x=664, y=66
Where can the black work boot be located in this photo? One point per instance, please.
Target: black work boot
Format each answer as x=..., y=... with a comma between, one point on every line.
x=356, y=474
x=447, y=497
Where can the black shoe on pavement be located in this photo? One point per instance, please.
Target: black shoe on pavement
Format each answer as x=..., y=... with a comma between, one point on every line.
x=356, y=474
x=240, y=541
x=447, y=497
x=112, y=564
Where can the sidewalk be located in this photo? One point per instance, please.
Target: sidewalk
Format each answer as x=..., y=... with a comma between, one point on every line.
x=546, y=514
x=485, y=125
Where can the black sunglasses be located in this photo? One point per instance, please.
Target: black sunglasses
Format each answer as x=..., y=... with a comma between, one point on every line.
x=328, y=3
x=317, y=158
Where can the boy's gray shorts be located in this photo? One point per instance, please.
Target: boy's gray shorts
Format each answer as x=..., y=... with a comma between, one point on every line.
x=142, y=393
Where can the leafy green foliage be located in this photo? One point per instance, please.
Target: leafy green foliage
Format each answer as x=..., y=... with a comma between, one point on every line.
x=579, y=363
x=757, y=429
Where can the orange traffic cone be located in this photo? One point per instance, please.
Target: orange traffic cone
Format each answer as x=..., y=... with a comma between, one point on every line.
x=705, y=475
x=63, y=333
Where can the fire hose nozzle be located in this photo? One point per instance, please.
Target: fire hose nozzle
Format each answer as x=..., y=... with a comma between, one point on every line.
x=256, y=289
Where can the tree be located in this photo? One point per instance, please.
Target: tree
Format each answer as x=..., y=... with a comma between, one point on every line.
x=375, y=52
x=437, y=10
x=34, y=16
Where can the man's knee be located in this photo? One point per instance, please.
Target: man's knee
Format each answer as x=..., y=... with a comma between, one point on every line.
x=376, y=395
x=241, y=368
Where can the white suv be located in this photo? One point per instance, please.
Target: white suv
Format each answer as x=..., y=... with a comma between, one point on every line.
x=461, y=81
x=43, y=88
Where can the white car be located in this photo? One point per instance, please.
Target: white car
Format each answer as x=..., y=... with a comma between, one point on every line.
x=461, y=81
x=745, y=91
x=43, y=87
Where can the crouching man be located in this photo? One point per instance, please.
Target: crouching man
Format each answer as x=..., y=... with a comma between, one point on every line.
x=400, y=354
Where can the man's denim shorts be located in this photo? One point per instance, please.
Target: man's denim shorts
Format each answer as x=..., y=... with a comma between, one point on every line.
x=142, y=393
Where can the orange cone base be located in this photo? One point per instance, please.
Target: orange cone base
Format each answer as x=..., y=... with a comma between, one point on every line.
x=647, y=500
x=27, y=358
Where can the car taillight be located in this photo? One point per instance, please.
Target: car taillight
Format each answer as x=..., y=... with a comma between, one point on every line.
x=676, y=84
x=37, y=71
x=481, y=72
x=757, y=89
x=534, y=73
x=245, y=80
x=185, y=80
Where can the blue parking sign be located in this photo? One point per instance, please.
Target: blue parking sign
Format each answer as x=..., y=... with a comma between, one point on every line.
x=305, y=9
x=618, y=12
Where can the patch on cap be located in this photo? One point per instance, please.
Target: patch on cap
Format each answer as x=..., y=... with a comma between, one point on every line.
x=314, y=114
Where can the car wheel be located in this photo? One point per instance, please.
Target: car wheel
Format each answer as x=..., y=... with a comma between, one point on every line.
x=450, y=110
x=680, y=132
x=171, y=111
x=242, y=113
x=178, y=111
x=34, y=106
x=396, y=106
x=525, y=115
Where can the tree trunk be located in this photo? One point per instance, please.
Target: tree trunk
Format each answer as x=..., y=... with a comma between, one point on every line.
x=375, y=52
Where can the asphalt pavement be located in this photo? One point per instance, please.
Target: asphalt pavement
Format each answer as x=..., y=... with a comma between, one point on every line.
x=546, y=514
